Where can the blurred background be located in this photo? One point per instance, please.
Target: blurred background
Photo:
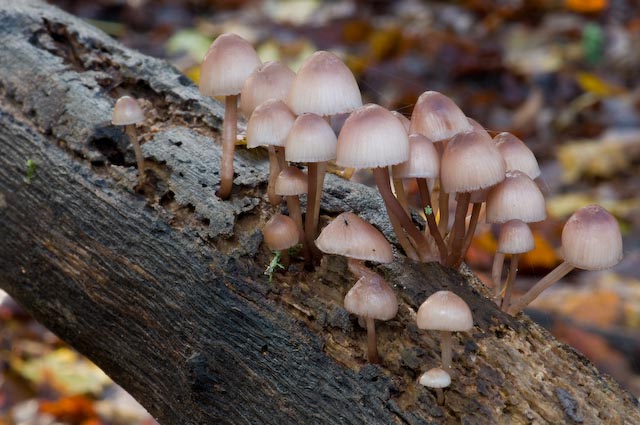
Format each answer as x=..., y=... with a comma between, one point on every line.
x=563, y=75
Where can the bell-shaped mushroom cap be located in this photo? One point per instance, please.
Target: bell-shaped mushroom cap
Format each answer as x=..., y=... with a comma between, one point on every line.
x=423, y=161
x=591, y=239
x=352, y=237
x=445, y=311
x=371, y=297
x=280, y=232
x=372, y=137
x=228, y=62
x=311, y=139
x=435, y=378
x=516, y=197
x=291, y=182
x=271, y=80
x=470, y=162
x=269, y=124
x=515, y=238
x=127, y=111
x=324, y=86
x=437, y=117
x=404, y=120
x=517, y=155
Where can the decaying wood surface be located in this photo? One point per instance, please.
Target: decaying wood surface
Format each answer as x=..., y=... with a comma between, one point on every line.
x=163, y=287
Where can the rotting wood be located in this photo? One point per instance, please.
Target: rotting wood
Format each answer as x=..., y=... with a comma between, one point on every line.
x=164, y=289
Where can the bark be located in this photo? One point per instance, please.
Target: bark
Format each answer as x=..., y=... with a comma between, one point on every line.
x=164, y=288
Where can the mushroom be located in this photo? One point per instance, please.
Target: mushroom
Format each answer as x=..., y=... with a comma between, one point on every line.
x=271, y=80
x=291, y=183
x=436, y=378
x=446, y=312
x=280, y=233
x=227, y=64
x=127, y=112
x=517, y=155
x=591, y=240
x=371, y=298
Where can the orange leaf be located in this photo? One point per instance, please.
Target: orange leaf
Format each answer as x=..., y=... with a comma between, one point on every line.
x=586, y=6
x=73, y=410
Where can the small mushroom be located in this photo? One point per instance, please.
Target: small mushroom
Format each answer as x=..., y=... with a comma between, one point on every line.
x=127, y=112
x=371, y=298
x=436, y=378
x=446, y=312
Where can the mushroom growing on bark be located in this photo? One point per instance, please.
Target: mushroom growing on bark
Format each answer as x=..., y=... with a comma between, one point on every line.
x=127, y=112
x=446, y=312
x=271, y=80
x=227, y=64
x=280, y=233
x=591, y=240
x=436, y=378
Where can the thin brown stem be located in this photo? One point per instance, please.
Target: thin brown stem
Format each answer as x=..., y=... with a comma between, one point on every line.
x=439, y=396
x=511, y=278
x=316, y=181
x=133, y=137
x=274, y=170
x=229, y=129
x=457, y=232
x=496, y=276
x=381, y=176
x=473, y=224
x=358, y=268
x=551, y=278
x=445, y=348
x=443, y=208
x=372, y=341
x=398, y=188
x=423, y=189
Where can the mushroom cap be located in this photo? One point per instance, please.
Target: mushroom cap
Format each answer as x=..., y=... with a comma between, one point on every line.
x=325, y=86
x=515, y=238
x=403, y=119
x=437, y=117
x=591, y=239
x=127, y=111
x=271, y=80
x=311, y=139
x=269, y=124
x=372, y=297
x=280, y=232
x=226, y=65
x=291, y=181
x=517, y=155
x=352, y=237
x=423, y=162
x=516, y=197
x=445, y=311
x=470, y=162
x=435, y=378
x=372, y=137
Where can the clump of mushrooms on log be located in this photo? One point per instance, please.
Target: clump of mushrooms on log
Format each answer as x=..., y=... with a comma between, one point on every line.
x=449, y=155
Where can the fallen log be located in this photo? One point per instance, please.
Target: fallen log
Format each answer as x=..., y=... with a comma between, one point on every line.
x=163, y=286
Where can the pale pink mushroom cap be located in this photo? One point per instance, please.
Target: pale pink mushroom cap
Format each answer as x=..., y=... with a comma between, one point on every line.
x=324, y=86
x=372, y=137
x=445, y=311
x=591, y=239
x=311, y=139
x=352, y=237
x=404, y=120
x=271, y=80
x=515, y=238
x=127, y=111
x=291, y=182
x=227, y=64
x=435, y=378
x=516, y=197
x=269, y=124
x=372, y=297
x=517, y=155
x=470, y=162
x=423, y=161
x=280, y=232
x=437, y=117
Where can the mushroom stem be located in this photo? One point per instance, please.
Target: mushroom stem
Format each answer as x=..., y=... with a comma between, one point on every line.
x=496, y=276
x=473, y=223
x=372, y=341
x=357, y=267
x=423, y=188
x=551, y=278
x=133, y=137
x=439, y=396
x=457, y=232
x=274, y=170
x=445, y=347
x=398, y=188
x=511, y=277
x=316, y=181
x=229, y=129
x=443, y=208
x=381, y=176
